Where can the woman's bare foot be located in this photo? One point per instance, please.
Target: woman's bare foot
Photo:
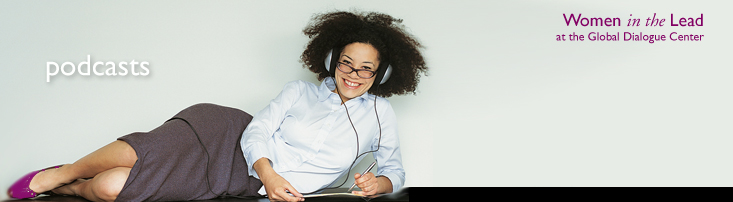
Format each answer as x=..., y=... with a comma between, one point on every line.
x=46, y=180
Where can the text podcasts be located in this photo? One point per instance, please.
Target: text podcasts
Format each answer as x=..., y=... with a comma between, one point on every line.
x=98, y=68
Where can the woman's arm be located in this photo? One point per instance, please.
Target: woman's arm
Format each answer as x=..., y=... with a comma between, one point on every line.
x=388, y=155
x=254, y=143
x=391, y=175
x=264, y=124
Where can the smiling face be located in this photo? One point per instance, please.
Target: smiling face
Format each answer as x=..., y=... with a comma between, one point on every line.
x=359, y=56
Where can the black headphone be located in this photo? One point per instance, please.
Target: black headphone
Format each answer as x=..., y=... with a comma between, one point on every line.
x=383, y=71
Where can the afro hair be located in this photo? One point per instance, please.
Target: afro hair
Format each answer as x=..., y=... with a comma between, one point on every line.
x=334, y=30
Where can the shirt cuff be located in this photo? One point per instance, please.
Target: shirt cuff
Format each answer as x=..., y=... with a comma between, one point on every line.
x=396, y=181
x=252, y=154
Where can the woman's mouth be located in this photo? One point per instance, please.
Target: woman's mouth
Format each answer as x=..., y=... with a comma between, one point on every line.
x=351, y=85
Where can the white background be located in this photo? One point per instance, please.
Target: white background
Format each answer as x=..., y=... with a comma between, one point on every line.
x=504, y=104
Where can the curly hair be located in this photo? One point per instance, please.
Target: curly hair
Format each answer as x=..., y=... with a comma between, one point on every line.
x=385, y=33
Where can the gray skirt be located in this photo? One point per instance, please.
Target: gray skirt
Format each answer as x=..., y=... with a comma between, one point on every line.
x=172, y=165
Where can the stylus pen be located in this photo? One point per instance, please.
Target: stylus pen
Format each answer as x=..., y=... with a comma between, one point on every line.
x=367, y=170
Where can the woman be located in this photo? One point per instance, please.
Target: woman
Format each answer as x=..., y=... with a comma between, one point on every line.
x=303, y=140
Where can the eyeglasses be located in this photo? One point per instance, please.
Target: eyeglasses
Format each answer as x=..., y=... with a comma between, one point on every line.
x=363, y=73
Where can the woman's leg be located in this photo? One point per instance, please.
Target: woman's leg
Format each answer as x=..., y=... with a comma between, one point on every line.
x=114, y=155
x=103, y=187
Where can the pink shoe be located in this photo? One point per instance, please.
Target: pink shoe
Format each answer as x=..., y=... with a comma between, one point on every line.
x=20, y=189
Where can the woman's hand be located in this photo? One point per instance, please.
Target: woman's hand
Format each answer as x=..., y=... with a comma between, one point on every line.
x=275, y=185
x=371, y=185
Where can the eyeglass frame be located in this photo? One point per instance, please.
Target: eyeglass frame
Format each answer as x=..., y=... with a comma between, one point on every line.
x=338, y=66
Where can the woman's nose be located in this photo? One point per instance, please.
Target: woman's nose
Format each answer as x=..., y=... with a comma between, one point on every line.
x=354, y=74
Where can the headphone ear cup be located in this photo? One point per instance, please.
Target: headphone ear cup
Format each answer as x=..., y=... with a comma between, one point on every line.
x=327, y=61
x=330, y=62
x=387, y=73
x=383, y=73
